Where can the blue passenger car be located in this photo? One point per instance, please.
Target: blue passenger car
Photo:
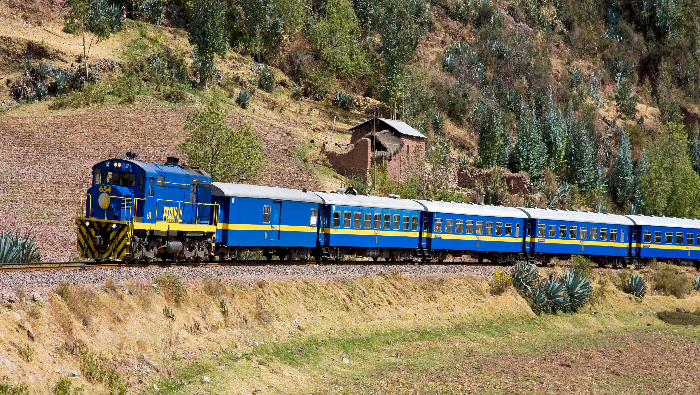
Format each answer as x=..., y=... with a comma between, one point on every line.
x=494, y=233
x=666, y=238
x=369, y=226
x=604, y=238
x=273, y=220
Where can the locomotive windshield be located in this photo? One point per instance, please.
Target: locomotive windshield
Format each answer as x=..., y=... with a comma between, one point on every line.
x=119, y=179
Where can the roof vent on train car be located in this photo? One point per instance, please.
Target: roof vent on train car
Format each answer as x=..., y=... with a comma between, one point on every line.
x=303, y=190
x=350, y=191
x=173, y=161
x=340, y=190
x=394, y=196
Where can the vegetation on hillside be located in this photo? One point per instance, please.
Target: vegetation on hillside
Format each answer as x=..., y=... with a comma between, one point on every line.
x=572, y=92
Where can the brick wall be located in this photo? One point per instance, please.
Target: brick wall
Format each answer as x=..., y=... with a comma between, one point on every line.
x=411, y=154
x=356, y=162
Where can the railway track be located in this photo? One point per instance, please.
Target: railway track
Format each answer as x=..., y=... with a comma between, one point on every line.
x=87, y=265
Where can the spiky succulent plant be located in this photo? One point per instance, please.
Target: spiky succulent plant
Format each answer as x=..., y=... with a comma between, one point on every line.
x=557, y=295
x=540, y=303
x=524, y=275
x=14, y=249
x=578, y=287
x=637, y=286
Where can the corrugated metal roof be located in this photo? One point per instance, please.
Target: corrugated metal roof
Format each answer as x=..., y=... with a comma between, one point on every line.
x=399, y=126
x=261, y=192
x=577, y=216
x=472, y=209
x=368, y=201
x=668, y=222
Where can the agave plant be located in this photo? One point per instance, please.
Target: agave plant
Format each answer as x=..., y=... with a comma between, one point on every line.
x=524, y=276
x=14, y=249
x=637, y=286
x=578, y=287
x=696, y=284
x=557, y=295
x=540, y=303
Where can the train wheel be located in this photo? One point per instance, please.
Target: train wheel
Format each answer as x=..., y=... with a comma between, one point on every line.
x=375, y=258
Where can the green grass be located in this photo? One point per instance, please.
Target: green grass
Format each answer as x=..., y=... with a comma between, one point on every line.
x=438, y=359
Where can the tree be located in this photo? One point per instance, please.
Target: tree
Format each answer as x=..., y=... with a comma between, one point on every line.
x=622, y=180
x=529, y=153
x=554, y=134
x=494, y=139
x=668, y=185
x=336, y=36
x=207, y=34
x=695, y=151
x=91, y=16
x=625, y=99
x=228, y=154
x=258, y=25
x=581, y=168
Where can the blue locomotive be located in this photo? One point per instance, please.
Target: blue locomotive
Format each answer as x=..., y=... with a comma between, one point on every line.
x=136, y=211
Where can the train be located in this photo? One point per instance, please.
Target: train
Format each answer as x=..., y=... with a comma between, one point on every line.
x=137, y=212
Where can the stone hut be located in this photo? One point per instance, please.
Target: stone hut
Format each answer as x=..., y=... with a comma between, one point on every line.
x=389, y=142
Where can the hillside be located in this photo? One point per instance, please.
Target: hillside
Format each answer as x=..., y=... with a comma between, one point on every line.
x=576, y=95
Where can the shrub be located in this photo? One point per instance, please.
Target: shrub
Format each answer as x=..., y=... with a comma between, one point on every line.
x=168, y=313
x=63, y=290
x=668, y=281
x=636, y=286
x=128, y=87
x=524, y=275
x=173, y=288
x=27, y=352
x=243, y=99
x=582, y=264
x=578, y=287
x=223, y=307
x=266, y=79
x=7, y=388
x=500, y=282
x=344, y=101
x=14, y=249
x=92, y=94
x=62, y=387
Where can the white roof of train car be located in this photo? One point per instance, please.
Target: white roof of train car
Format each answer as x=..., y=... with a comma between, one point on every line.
x=261, y=192
x=577, y=216
x=471, y=209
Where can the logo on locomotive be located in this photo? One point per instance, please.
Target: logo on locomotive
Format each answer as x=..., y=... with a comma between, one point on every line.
x=172, y=214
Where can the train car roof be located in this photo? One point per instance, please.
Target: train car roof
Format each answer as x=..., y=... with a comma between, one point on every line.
x=471, y=209
x=577, y=216
x=262, y=192
x=342, y=199
x=153, y=169
x=667, y=222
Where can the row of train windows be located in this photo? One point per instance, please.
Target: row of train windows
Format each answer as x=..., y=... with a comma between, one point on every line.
x=355, y=220
x=582, y=232
x=267, y=210
x=690, y=238
x=468, y=225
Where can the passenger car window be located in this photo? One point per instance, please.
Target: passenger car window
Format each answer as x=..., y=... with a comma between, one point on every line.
x=489, y=228
x=509, y=229
x=647, y=236
x=406, y=222
x=622, y=235
x=657, y=237
x=448, y=225
x=603, y=234
x=613, y=234
x=266, y=214
x=459, y=227
x=387, y=221
x=336, y=219
x=552, y=231
x=584, y=233
x=572, y=232
x=313, y=219
x=499, y=228
x=669, y=238
x=679, y=237
x=414, y=223
x=594, y=233
x=540, y=230
x=377, y=221
x=689, y=239
x=562, y=231
x=368, y=221
x=517, y=230
x=397, y=222
x=438, y=225
x=347, y=219
x=358, y=220
x=470, y=227
x=479, y=227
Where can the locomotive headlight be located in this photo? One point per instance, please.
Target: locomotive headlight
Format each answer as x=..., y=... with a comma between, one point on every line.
x=87, y=224
x=114, y=226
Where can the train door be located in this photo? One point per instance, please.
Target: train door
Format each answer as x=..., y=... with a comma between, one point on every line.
x=275, y=219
